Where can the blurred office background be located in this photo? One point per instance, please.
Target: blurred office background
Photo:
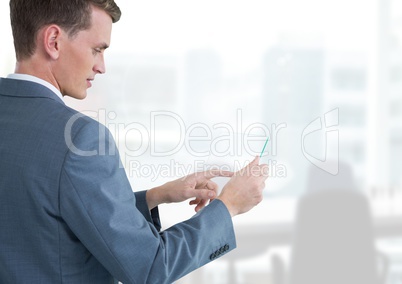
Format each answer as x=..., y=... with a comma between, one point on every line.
x=195, y=84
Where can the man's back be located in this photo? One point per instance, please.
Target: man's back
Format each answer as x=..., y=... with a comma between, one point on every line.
x=35, y=241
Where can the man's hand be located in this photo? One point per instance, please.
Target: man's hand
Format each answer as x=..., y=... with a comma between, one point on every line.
x=244, y=189
x=198, y=186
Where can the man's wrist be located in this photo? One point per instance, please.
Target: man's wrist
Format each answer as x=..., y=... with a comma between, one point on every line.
x=153, y=198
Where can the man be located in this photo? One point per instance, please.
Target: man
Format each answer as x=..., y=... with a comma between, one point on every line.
x=67, y=211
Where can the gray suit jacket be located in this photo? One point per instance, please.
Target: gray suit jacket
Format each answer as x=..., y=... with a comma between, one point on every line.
x=67, y=211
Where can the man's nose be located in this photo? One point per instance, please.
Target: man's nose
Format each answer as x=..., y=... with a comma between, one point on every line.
x=100, y=66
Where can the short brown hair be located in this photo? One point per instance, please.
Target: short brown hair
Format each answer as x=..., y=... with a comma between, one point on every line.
x=29, y=16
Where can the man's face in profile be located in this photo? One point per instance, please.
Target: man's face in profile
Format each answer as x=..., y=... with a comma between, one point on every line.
x=82, y=56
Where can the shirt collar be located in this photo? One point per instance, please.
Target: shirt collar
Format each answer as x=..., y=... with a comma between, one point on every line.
x=36, y=80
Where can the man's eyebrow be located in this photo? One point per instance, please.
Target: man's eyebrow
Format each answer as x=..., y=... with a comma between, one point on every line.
x=103, y=46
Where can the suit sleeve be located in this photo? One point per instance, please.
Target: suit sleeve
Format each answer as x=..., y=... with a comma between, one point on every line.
x=97, y=203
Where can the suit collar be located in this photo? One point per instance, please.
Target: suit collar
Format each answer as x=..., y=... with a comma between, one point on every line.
x=27, y=89
x=35, y=79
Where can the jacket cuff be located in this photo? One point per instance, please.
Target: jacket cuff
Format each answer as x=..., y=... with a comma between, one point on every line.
x=152, y=216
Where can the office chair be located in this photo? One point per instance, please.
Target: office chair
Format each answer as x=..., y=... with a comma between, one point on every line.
x=333, y=243
x=333, y=236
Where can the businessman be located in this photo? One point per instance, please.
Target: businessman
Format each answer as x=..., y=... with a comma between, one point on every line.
x=67, y=211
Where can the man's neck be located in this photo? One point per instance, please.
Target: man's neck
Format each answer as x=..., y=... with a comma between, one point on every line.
x=34, y=67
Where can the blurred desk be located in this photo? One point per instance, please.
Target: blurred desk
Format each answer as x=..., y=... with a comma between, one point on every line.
x=253, y=239
x=256, y=237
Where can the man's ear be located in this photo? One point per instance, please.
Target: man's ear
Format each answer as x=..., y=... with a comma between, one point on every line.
x=52, y=41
